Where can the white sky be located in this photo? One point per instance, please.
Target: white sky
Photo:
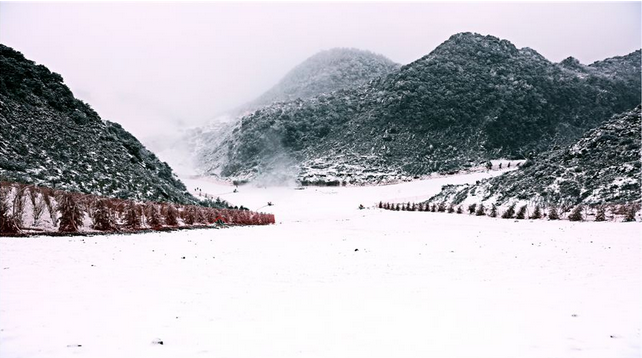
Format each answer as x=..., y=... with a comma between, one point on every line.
x=155, y=67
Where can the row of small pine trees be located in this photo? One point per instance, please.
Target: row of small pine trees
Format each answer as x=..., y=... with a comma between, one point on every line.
x=29, y=208
x=578, y=213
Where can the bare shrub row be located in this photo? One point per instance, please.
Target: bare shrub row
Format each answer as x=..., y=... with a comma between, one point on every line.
x=29, y=209
x=627, y=212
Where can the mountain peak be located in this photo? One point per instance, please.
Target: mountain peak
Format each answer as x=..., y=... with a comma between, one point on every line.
x=474, y=45
x=327, y=71
x=571, y=62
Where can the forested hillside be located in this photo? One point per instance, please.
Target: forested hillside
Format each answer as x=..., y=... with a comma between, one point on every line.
x=50, y=138
x=471, y=99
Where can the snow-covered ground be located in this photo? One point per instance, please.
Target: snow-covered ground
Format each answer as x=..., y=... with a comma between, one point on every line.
x=329, y=280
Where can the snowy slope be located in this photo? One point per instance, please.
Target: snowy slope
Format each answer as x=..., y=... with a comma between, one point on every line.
x=50, y=138
x=471, y=99
x=602, y=167
x=324, y=72
x=420, y=285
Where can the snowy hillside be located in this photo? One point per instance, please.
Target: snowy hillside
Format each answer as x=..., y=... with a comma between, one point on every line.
x=603, y=167
x=326, y=72
x=329, y=280
x=471, y=99
x=50, y=138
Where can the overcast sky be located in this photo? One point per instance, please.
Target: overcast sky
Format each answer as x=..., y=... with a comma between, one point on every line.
x=158, y=66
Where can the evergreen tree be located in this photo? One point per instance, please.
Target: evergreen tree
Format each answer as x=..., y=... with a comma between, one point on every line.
x=451, y=208
x=521, y=214
x=553, y=214
x=493, y=211
x=509, y=213
x=601, y=214
x=576, y=214
x=459, y=210
x=630, y=213
x=481, y=210
x=537, y=213
x=71, y=214
x=471, y=208
x=442, y=207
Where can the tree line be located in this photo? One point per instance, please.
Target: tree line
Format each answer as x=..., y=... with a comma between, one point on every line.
x=29, y=209
x=577, y=213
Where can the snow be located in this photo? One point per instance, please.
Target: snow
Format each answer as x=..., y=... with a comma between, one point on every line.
x=420, y=284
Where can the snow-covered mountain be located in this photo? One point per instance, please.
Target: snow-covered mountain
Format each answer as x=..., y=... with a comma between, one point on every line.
x=603, y=167
x=472, y=99
x=50, y=138
x=325, y=72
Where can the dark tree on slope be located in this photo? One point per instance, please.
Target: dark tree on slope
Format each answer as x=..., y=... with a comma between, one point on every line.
x=601, y=214
x=451, y=208
x=521, y=214
x=71, y=214
x=576, y=214
x=630, y=212
x=509, y=213
x=537, y=214
x=481, y=210
x=553, y=214
x=493, y=211
x=471, y=208
x=103, y=217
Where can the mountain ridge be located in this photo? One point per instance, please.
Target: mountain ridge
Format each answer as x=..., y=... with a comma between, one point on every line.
x=471, y=99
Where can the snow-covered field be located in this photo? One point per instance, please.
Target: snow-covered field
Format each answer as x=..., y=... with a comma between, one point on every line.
x=329, y=280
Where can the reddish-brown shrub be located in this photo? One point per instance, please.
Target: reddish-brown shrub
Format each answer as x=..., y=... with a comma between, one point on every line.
x=132, y=217
x=71, y=214
x=103, y=217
